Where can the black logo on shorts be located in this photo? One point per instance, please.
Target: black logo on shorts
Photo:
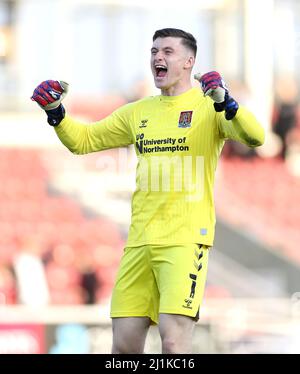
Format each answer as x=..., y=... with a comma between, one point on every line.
x=188, y=303
x=189, y=300
x=193, y=286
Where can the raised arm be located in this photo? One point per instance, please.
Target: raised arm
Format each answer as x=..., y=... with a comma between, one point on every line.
x=111, y=132
x=243, y=128
x=80, y=138
x=238, y=123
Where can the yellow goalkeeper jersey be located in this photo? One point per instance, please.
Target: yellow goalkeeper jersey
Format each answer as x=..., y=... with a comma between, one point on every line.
x=178, y=140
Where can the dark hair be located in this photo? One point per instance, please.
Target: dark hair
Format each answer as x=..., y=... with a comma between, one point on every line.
x=188, y=39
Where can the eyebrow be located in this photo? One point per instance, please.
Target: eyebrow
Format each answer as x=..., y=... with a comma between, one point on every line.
x=153, y=49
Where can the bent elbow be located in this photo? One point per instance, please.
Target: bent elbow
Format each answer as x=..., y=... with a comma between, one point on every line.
x=258, y=140
x=256, y=143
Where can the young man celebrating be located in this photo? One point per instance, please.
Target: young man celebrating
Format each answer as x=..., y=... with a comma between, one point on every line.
x=178, y=137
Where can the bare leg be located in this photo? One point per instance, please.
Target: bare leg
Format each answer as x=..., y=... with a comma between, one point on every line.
x=176, y=332
x=129, y=334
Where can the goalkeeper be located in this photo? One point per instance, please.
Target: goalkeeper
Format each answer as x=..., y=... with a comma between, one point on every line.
x=179, y=134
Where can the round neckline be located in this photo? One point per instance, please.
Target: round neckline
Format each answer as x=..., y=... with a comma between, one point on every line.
x=177, y=97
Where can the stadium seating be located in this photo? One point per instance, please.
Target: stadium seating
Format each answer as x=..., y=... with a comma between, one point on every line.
x=28, y=208
x=261, y=196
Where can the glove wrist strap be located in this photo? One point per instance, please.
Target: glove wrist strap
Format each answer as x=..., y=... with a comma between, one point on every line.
x=219, y=107
x=55, y=116
x=229, y=105
x=231, y=108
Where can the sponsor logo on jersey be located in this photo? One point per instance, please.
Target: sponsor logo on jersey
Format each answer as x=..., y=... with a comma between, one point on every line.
x=185, y=119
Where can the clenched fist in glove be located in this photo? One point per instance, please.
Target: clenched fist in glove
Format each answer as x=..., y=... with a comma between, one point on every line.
x=213, y=86
x=49, y=95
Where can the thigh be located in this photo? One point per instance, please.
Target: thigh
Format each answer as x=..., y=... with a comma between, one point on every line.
x=135, y=293
x=181, y=272
x=129, y=334
x=176, y=321
x=176, y=333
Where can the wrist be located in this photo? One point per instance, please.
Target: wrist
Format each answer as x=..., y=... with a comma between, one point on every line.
x=229, y=105
x=55, y=116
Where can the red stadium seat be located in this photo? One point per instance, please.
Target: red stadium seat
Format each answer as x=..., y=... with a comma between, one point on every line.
x=270, y=196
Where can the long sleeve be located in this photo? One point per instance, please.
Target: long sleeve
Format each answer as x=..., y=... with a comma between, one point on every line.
x=111, y=132
x=243, y=128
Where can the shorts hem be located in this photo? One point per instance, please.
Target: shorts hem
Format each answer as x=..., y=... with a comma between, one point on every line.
x=163, y=243
x=131, y=314
x=194, y=315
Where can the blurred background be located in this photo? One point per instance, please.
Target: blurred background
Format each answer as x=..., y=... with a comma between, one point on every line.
x=64, y=218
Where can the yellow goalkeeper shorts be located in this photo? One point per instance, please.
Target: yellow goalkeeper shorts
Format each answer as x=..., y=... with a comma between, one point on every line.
x=155, y=279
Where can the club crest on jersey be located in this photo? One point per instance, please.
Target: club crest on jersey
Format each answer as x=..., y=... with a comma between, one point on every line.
x=185, y=119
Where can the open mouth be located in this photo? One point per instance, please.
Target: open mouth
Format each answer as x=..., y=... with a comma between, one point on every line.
x=161, y=71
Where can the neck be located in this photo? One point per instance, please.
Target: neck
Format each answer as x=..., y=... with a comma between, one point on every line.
x=176, y=89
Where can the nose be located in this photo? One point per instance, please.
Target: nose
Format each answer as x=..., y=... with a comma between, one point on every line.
x=158, y=56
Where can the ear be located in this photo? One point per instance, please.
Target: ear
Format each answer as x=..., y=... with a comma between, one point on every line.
x=189, y=63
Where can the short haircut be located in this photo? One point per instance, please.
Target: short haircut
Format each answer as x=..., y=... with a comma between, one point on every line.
x=188, y=39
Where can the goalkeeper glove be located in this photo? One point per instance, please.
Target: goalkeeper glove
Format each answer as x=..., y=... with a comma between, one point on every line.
x=213, y=86
x=49, y=95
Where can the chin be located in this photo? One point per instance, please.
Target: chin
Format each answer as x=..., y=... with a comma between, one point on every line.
x=161, y=85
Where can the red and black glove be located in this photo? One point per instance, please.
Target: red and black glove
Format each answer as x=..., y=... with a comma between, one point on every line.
x=214, y=86
x=49, y=95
